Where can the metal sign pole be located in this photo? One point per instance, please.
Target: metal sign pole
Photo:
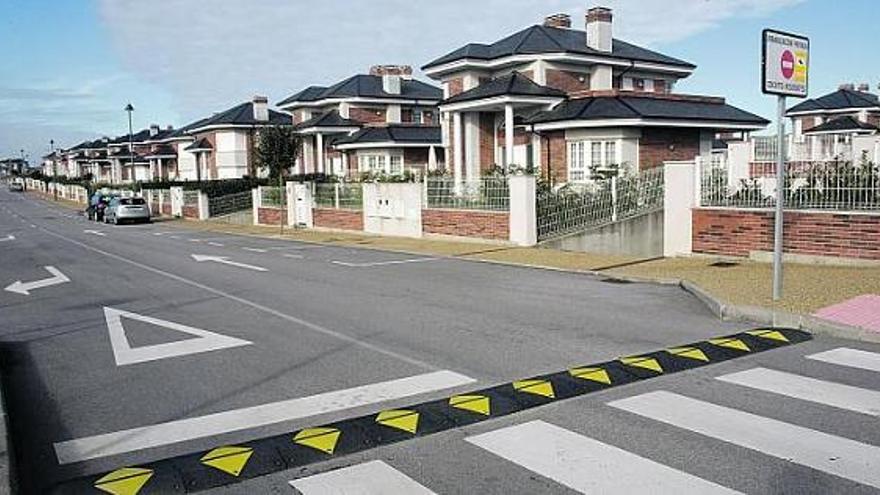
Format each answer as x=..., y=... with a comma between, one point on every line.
x=780, y=199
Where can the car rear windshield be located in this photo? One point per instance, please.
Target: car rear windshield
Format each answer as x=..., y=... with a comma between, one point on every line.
x=132, y=201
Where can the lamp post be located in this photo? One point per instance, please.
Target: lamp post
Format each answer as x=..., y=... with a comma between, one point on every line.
x=54, y=168
x=129, y=108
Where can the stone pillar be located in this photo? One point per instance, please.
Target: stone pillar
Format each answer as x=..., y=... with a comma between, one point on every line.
x=256, y=199
x=177, y=201
x=678, y=204
x=523, y=213
x=204, y=212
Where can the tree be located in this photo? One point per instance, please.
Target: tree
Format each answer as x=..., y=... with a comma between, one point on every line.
x=277, y=150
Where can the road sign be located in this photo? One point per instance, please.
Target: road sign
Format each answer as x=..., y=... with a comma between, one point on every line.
x=784, y=64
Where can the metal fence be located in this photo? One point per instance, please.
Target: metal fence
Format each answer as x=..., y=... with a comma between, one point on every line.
x=271, y=196
x=339, y=195
x=485, y=193
x=576, y=207
x=190, y=197
x=814, y=148
x=231, y=203
x=837, y=186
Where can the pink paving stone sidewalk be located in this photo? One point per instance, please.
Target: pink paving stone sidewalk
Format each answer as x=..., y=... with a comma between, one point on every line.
x=862, y=311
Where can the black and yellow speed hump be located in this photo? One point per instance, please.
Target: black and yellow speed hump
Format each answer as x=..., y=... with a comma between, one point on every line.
x=226, y=464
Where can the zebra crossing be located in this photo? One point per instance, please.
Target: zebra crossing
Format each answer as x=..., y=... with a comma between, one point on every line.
x=576, y=461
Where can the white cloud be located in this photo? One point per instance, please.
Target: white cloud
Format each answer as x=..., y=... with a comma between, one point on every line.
x=221, y=52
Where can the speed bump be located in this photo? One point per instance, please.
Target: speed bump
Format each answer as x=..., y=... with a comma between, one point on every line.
x=323, y=439
x=537, y=387
x=647, y=363
x=230, y=460
x=224, y=465
x=474, y=403
x=402, y=419
x=125, y=481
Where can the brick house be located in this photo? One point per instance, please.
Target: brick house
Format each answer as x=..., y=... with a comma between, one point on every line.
x=563, y=100
x=384, y=121
x=828, y=127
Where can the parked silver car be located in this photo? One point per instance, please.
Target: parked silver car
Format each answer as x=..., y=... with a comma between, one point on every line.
x=127, y=210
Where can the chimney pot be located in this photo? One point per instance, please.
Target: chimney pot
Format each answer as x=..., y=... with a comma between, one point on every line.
x=599, y=33
x=864, y=87
x=261, y=108
x=404, y=71
x=154, y=129
x=558, y=21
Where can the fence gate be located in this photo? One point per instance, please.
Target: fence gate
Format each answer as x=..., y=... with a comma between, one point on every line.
x=236, y=208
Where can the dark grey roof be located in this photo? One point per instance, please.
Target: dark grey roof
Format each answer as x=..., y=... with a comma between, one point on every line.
x=843, y=124
x=511, y=84
x=634, y=107
x=842, y=98
x=138, y=137
x=329, y=119
x=544, y=39
x=162, y=150
x=401, y=134
x=201, y=144
x=241, y=115
x=162, y=134
x=367, y=86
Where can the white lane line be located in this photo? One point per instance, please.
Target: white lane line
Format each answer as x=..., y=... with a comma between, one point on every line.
x=9, y=237
x=94, y=232
x=831, y=454
x=199, y=258
x=369, y=478
x=247, y=302
x=182, y=430
x=294, y=256
x=254, y=250
x=587, y=465
x=382, y=263
x=852, y=358
x=810, y=389
x=216, y=244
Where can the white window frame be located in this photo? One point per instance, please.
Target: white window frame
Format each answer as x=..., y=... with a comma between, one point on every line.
x=580, y=156
x=381, y=161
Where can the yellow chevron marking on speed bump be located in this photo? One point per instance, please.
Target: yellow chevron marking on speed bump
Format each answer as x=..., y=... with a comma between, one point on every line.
x=769, y=334
x=642, y=362
x=731, y=344
x=537, y=387
x=689, y=352
x=323, y=439
x=402, y=419
x=230, y=460
x=473, y=403
x=125, y=481
x=593, y=374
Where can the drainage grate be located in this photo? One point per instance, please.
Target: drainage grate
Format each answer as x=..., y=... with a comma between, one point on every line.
x=616, y=281
x=724, y=264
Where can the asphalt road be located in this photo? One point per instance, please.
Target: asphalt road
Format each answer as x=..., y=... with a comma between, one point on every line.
x=153, y=341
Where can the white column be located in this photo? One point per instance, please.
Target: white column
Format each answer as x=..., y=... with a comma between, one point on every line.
x=508, y=135
x=523, y=215
x=457, y=144
x=678, y=204
x=432, y=158
x=319, y=138
x=158, y=169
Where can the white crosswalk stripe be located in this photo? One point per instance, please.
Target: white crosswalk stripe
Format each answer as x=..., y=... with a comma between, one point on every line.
x=835, y=455
x=369, y=478
x=810, y=389
x=852, y=358
x=587, y=465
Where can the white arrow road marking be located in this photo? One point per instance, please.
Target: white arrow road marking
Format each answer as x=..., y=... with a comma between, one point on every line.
x=254, y=250
x=381, y=263
x=226, y=261
x=94, y=232
x=125, y=354
x=24, y=288
x=10, y=237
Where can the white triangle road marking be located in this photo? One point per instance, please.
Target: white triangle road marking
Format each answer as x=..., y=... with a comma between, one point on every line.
x=124, y=354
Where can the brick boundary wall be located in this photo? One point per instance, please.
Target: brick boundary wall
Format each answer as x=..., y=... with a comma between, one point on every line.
x=271, y=216
x=738, y=232
x=166, y=208
x=467, y=223
x=190, y=211
x=331, y=218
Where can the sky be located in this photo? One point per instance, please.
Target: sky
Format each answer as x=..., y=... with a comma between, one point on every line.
x=69, y=67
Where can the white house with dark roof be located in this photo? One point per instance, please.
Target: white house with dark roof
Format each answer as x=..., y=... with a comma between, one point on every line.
x=564, y=100
x=337, y=123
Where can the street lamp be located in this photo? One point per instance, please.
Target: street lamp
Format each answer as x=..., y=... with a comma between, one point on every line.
x=54, y=168
x=129, y=108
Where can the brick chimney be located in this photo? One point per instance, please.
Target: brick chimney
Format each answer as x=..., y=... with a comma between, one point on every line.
x=558, y=21
x=849, y=86
x=599, y=29
x=154, y=129
x=864, y=87
x=391, y=75
x=261, y=108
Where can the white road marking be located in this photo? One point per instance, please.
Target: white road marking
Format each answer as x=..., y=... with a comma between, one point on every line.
x=125, y=354
x=254, y=250
x=835, y=455
x=33, y=226
x=294, y=256
x=226, y=261
x=182, y=430
x=852, y=358
x=810, y=389
x=10, y=237
x=162, y=233
x=369, y=478
x=94, y=232
x=216, y=244
x=247, y=302
x=586, y=465
x=381, y=263
x=24, y=288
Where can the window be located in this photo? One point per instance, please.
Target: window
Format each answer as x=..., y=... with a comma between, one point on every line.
x=577, y=171
x=596, y=153
x=601, y=154
x=610, y=153
x=395, y=165
x=381, y=163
